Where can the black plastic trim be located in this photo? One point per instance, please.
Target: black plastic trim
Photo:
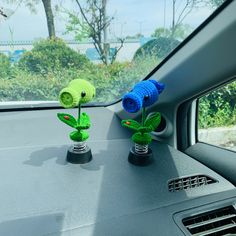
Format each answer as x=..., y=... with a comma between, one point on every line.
x=183, y=125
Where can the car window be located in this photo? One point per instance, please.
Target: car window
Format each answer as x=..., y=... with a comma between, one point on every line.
x=111, y=43
x=217, y=117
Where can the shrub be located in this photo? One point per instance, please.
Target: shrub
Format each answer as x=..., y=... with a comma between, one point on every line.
x=5, y=66
x=111, y=81
x=159, y=48
x=51, y=55
x=26, y=87
x=218, y=108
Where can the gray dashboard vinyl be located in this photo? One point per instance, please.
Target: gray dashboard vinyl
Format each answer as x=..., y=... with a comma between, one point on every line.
x=42, y=194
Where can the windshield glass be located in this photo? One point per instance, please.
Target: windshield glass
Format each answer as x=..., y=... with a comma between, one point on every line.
x=113, y=44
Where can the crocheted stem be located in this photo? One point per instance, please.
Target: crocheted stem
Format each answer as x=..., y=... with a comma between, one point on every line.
x=79, y=112
x=143, y=115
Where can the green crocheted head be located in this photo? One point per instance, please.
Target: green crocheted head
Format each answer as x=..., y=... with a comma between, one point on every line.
x=78, y=91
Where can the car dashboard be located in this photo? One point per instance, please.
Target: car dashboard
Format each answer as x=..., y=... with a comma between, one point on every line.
x=43, y=194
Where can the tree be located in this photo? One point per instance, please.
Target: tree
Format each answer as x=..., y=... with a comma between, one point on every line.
x=93, y=22
x=50, y=18
x=180, y=10
x=47, y=8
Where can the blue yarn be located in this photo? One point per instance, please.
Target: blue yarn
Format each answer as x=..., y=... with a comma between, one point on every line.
x=144, y=93
x=160, y=86
x=132, y=102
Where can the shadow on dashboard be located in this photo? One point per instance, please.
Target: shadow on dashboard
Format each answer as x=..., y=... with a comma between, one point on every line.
x=38, y=157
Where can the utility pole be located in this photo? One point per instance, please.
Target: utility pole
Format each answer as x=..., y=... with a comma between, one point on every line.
x=173, y=16
x=164, y=17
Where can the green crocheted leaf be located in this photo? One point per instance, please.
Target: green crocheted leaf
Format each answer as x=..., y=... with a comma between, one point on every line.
x=79, y=136
x=144, y=129
x=142, y=139
x=131, y=124
x=153, y=121
x=67, y=119
x=84, y=122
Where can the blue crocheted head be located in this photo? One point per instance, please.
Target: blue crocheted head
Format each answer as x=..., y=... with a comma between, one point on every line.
x=144, y=93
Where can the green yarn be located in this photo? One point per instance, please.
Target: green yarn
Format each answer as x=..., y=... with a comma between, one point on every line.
x=79, y=136
x=131, y=124
x=69, y=98
x=153, y=121
x=67, y=119
x=142, y=131
x=78, y=91
x=142, y=138
x=80, y=125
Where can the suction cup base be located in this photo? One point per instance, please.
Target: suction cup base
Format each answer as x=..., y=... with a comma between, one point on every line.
x=140, y=159
x=80, y=157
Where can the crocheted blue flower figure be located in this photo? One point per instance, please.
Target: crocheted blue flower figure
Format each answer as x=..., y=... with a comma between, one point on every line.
x=144, y=94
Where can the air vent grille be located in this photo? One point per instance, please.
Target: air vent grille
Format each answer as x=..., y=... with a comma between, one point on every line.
x=189, y=182
x=213, y=223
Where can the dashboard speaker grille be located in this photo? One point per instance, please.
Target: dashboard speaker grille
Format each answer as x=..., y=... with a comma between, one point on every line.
x=213, y=223
x=189, y=182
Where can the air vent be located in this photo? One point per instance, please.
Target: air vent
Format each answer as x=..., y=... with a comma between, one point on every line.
x=213, y=223
x=189, y=182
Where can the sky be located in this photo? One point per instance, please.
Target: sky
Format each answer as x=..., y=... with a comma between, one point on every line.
x=130, y=17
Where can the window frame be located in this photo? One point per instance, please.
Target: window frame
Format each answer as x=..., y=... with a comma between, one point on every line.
x=187, y=119
x=231, y=80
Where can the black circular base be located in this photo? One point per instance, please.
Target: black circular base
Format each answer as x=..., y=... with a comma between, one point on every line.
x=79, y=157
x=140, y=159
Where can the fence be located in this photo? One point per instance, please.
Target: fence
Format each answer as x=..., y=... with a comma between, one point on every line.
x=15, y=49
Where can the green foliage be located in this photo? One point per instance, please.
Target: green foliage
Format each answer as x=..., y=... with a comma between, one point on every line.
x=93, y=23
x=158, y=48
x=166, y=39
x=27, y=87
x=5, y=66
x=218, y=108
x=214, y=3
x=111, y=81
x=76, y=26
x=51, y=55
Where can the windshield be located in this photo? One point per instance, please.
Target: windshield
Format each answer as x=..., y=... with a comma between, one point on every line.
x=111, y=43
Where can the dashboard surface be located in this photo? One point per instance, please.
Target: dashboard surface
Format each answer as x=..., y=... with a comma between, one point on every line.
x=42, y=194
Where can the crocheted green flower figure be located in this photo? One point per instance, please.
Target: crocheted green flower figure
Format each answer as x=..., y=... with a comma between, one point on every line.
x=78, y=92
x=142, y=131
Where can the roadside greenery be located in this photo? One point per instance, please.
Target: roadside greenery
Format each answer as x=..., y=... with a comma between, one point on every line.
x=50, y=56
x=218, y=108
x=42, y=72
x=5, y=66
x=159, y=47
